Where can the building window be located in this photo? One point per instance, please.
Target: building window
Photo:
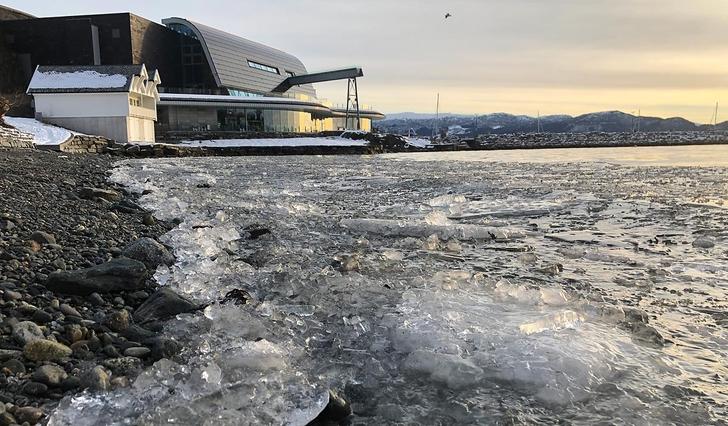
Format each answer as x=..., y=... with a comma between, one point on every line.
x=135, y=102
x=115, y=33
x=291, y=73
x=263, y=67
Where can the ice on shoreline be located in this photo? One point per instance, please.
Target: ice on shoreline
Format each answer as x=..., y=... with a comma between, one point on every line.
x=492, y=313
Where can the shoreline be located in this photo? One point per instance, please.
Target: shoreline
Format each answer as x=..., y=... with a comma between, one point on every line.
x=65, y=329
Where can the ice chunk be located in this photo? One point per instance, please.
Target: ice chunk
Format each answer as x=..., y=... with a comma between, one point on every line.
x=437, y=218
x=451, y=370
x=447, y=200
x=557, y=321
x=401, y=228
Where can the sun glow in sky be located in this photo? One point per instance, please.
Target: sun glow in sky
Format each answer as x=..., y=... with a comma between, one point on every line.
x=663, y=57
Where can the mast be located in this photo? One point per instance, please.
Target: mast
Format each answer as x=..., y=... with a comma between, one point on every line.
x=715, y=117
x=436, y=127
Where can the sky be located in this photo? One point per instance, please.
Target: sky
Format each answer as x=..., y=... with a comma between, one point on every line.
x=660, y=57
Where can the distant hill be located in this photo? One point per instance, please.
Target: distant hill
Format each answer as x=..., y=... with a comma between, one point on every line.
x=420, y=116
x=503, y=123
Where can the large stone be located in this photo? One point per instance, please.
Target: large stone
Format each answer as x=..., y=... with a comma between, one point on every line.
x=45, y=350
x=162, y=347
x=51, y=375
x=27, y=331
x=96, y=379
x=118, y=321
x=42, y=238
x=35, y=388
x=119, y=274
x=123, y=366
x=149, y=252
x=336, y=411
x=30, y=415
x=163, y=304
x=93, y=193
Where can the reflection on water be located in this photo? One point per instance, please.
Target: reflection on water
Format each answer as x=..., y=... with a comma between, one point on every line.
x=677, y=156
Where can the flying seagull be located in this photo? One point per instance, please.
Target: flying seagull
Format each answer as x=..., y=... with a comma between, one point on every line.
x=448, y=15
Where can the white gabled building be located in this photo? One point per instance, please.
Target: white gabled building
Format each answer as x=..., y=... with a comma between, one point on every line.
x=115, y=101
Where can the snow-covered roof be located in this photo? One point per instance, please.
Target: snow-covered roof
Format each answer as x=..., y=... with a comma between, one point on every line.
x=87, y=78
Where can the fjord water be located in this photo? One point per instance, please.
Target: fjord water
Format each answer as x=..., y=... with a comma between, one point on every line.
x=575, y=286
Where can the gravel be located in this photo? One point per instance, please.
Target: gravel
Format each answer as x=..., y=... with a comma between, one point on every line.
x=67, y=294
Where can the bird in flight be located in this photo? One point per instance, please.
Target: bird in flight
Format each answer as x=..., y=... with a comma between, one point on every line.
x=448, y=15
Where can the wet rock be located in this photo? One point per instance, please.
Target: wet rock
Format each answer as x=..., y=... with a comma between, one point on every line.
x=12, y=295
x=51, y=375
x=72, y=382
x=41, y=317
x=119, y=274
x=335, y=411
x=162, y=347
x=137, y=352
x=163, y=304
x=6, y=354
x=96, y=299
x=123, y=366
x=69, y=310
x=552, y=269
x=42, y=238
x=29, y=415
x=14, y=366
x=347, y=263
x=27, y=331
x=45, y=350
x=94, y=193
x=648, y=335
x=237, y=297
x=75, y=333
x=149, y=220
x=7, y=419
x=98, y=379
x=149, y=252
x=35, y=388
x=704, y=242
x=256, y=231
x=120, y=382
x=118, y=321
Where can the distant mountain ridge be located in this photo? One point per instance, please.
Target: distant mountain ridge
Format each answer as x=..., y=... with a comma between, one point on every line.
x=503, y=123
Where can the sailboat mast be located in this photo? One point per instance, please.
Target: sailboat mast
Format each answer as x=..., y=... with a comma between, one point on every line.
x=715, y=117
x=436, y=127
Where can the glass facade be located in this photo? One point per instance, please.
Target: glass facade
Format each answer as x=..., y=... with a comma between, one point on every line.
x=177, y=118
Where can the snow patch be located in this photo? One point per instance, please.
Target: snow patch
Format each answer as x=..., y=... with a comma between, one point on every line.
x=76, y=80
x=43, y=134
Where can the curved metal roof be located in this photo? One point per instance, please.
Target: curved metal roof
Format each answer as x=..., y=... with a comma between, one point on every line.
x=228, y=56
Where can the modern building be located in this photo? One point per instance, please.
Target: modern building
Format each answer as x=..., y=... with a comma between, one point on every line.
x=115, y=101
x=213, y=80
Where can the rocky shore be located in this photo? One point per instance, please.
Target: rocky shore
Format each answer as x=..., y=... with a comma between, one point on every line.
x=78, y=305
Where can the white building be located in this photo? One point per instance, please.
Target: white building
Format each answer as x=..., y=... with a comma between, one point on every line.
x=115, y=101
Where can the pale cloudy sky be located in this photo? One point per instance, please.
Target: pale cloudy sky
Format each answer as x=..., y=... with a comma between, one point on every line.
x=664, y=57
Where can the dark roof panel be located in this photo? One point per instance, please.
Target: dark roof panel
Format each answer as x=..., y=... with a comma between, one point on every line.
x=229, y=54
